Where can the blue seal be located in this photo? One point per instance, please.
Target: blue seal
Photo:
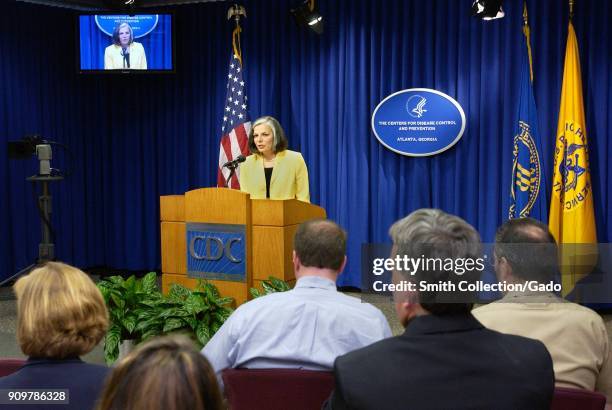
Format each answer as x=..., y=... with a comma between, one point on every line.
x=418, y=122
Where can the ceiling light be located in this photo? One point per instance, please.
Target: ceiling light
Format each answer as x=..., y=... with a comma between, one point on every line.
x=488, y=9
x=307, y=15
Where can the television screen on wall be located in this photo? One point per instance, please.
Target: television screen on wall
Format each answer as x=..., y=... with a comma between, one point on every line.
x=122, y=43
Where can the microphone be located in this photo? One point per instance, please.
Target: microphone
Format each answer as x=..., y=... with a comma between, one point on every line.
x=234, y=163
x=126, y=57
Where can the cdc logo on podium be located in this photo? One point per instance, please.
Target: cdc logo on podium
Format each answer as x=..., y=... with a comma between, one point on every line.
x=216, y=251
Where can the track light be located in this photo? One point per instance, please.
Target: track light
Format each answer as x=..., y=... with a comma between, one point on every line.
x=307, y=15
x=121, y=4
x=488, y=9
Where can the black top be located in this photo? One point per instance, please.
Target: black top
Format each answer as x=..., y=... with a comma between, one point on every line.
x=268, y=172
x=445, y=362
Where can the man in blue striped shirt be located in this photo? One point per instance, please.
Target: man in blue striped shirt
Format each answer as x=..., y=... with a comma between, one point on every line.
x=306, y=327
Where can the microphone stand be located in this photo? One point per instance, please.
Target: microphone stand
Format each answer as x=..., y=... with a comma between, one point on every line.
x=232, y=167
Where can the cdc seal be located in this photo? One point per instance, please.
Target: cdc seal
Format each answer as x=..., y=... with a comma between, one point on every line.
x=418, y=122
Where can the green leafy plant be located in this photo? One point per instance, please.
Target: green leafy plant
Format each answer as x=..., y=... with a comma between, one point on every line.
x=138, y=311
x=199, y=312
x=270, y=285
x=127, y=300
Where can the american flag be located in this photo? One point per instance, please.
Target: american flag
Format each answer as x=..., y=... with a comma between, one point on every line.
x=236, y=123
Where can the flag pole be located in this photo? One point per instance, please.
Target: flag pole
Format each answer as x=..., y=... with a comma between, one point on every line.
x=236, y=11
x=233, y=147
x=526, y=32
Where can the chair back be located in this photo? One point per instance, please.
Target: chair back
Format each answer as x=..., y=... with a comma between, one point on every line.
x=276, y=389
x=571, y=399
x=8, y=366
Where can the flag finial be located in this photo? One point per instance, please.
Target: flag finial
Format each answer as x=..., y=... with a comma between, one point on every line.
x=236, y=11
x=571, y=9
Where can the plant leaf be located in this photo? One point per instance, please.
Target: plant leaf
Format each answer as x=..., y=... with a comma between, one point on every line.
x=255, y=292
x=192, y=322
x=105, y=291
x=117, y=280
x=279, y=285
x=111, y=344
x=130, y=283
x=203, y=333
x=267, y=287
x=119, y=302
x=172, y=324
x=215, y=327
x=211, y=291
x=195, y=304
x=221, y=315
x=178, y=292
x=178, y=312
x=129, y=322
x=154, y=331
x=224, y=301
x=144, y=325
x=149, y=282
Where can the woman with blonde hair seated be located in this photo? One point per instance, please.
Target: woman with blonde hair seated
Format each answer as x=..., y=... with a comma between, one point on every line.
x=61, y=315
x=165, y=373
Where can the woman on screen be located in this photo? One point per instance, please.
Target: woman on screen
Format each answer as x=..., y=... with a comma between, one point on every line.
x=124, y=53
x=273, y=171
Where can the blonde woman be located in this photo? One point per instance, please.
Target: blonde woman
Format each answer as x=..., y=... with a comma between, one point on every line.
x=124, y=53
x=61, y=315
x=273, y=171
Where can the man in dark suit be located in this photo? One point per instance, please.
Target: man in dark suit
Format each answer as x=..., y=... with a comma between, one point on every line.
x=445, y=359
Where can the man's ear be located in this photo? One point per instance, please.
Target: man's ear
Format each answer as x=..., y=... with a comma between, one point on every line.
x=503, y=270
x=342, y=266
x=405, y=307
x=296, y=262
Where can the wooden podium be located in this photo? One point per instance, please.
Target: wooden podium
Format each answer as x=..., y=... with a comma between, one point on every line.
x=269, y=229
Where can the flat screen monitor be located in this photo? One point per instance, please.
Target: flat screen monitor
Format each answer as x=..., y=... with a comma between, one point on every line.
x=126, y=44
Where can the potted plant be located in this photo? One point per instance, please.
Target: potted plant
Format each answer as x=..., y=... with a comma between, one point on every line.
x=138, y=311
x=126, y=300
x=270, y=285
x=199, y=312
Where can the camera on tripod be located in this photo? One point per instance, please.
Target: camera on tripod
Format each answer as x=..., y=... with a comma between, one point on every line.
x=30, y=145
x=24, y=149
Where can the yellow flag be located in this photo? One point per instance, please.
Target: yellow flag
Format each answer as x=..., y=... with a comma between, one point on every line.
x=571, y=219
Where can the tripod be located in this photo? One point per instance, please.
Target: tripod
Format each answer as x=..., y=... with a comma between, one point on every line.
x=46, y=248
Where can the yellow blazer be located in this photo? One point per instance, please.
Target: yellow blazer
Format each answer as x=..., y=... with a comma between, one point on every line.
x=289, y=177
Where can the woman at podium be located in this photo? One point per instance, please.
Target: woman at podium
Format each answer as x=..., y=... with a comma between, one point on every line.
x=273, y=171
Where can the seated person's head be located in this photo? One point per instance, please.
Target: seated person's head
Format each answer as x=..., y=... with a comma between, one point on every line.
x=164, y=373
x=525, y=250
x=60, y=312
x=434, y=237
x=319, y=245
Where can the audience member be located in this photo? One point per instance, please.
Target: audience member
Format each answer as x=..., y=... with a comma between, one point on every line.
x=576, y=337
x=306, y=327
x=61, y=315
x=445, y=359
x=165, y=373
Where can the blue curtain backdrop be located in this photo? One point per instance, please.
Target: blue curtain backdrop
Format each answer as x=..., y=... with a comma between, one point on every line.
x=157, y=44
x=137, y=137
